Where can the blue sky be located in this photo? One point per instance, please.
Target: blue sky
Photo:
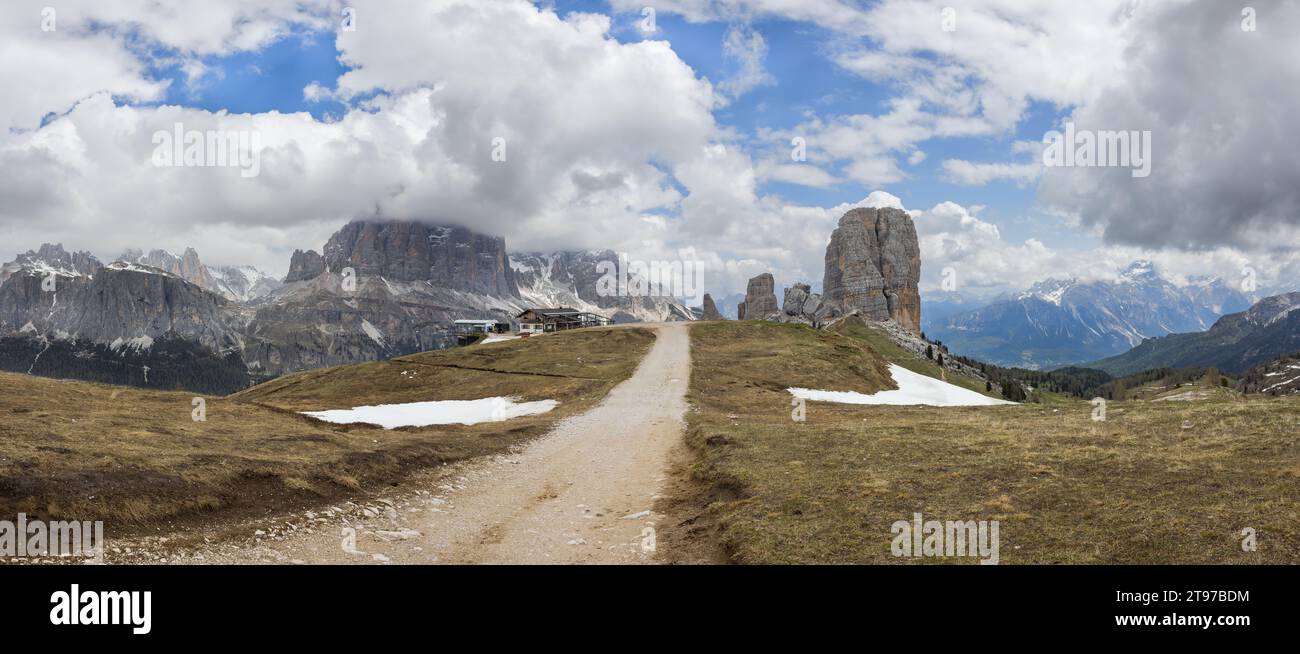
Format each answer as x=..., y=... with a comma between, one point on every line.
x=628, y=131
x=807, y=82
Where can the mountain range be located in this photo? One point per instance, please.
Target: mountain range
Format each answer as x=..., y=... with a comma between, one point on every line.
x=1234, y=344
x=377, y=289
x=1064, y=322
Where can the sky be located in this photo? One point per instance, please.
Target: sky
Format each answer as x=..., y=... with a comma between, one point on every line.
x=734, y=134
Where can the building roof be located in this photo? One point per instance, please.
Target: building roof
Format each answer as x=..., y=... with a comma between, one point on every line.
x=550, y=312
x=477, y=322
x=565, y=314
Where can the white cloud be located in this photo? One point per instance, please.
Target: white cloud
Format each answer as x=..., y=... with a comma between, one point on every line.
x=615, y=144
x=598, y=135
x=95, y=45
x=970, y=173
x=747, y=48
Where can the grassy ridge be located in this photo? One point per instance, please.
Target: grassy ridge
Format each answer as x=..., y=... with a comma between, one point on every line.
x=1157, y=482
x=887, y=349
x=134, y=457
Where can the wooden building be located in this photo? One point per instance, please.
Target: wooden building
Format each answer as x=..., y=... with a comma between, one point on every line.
x=538, y=321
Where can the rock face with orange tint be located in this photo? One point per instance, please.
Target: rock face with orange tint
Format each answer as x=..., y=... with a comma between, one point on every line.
x=873, y=266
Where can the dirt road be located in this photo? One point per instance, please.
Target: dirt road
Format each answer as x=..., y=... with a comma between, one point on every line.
x=581, y=494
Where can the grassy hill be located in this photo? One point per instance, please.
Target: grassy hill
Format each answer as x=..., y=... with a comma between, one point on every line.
x=1156, y=482
x=883, y=346
x=134, y=457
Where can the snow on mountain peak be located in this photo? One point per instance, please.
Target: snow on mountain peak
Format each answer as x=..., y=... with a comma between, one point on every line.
x=1139, y=268
x=1049, y=290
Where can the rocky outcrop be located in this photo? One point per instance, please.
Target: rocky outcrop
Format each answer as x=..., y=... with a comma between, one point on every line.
x=802, y=305
x=238, y=283
x=304, y=266
x=873, y=266
x=322, y=322
x=410, y=282
x=710, y=309
x=51, y=258
x=795, y=297
x=740, y=310
x=187, y=266
x=760, y=298
x=122, y=303
x=446, y=257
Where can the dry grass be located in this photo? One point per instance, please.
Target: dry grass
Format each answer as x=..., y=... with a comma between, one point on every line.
x=136, y=458
x=1157, y=482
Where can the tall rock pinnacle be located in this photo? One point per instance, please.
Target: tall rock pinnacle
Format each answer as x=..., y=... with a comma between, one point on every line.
x=873, y=265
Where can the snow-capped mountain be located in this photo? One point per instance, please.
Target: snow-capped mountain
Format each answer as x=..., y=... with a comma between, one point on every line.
x=409, y=281
x=238, y=283
x=1062, y=322
x=1235, y=343
x=568, y=279
x=244, y=283
x=52, y=259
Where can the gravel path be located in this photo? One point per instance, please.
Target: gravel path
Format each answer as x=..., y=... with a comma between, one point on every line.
x=581, y=494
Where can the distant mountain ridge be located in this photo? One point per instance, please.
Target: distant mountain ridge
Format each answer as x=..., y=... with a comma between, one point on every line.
x=381, y=289
x=1235, y=343
x=1065, y=322
x=239, y=283
x=569, y=279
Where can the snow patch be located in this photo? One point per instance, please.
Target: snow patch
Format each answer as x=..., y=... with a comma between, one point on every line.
x=913, y=388
x=139, y=344
x=132, y=267
x=372, y=332
x=444, y=412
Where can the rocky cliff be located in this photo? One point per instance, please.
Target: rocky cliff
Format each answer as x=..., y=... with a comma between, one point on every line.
x=802, y=305
x=760, y=298
x=873, y=265
x=122, y=303
x=187, y=266
x=304, y=266
x=238, y=283
x=51, y=258
x=410, y=282
x=710, y=309
x=446, y=257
